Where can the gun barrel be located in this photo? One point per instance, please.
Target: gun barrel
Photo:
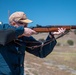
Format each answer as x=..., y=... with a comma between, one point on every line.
x=52, y=28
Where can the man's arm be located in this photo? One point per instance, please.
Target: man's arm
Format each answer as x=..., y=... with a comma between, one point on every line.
x=49, y=45
x=43, y=50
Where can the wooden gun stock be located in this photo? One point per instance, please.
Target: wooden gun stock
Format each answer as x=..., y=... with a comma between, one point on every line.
x=52, y=28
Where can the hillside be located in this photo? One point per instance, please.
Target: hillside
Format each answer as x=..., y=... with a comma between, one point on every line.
x=62, y=61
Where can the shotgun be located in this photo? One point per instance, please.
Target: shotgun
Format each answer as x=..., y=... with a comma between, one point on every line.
x=52, y=28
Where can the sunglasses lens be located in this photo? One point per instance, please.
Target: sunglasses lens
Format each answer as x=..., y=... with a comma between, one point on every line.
x=24, y=24
x=20, y=23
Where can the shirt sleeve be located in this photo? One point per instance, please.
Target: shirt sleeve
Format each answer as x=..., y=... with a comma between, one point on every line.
x=42, y=49
x=18, y=30
x=9, y=33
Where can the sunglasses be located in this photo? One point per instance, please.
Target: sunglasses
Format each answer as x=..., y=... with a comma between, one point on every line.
x=20, y=22
x=24, y=24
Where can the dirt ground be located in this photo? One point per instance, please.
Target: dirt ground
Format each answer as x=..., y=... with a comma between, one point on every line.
x=62, y=61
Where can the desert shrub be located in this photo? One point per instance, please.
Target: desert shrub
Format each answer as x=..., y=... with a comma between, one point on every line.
x=70, y=42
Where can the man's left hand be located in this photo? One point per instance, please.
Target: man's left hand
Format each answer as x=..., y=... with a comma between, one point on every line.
x=60, y=31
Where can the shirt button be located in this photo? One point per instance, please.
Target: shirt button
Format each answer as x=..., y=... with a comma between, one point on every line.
x=21, y=65
x=19, y=52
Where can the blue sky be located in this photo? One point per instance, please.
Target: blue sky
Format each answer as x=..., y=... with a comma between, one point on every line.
x=43, y=12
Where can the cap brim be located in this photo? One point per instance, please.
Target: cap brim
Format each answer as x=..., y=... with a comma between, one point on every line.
x=26, y=21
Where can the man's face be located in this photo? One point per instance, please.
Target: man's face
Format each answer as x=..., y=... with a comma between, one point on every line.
x=17, y=24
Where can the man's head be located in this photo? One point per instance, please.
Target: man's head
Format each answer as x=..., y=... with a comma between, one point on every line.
x=18, y=18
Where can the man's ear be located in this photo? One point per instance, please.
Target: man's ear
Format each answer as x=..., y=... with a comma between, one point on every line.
x=13, y=23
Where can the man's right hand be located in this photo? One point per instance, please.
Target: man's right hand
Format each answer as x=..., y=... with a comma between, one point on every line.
x=28, y=32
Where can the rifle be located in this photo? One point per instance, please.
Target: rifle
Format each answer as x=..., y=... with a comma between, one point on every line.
x=52, y=28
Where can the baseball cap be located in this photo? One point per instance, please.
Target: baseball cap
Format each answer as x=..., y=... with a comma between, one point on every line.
x=19, y=17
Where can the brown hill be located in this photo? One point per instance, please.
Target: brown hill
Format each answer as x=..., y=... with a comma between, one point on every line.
x=60, y=62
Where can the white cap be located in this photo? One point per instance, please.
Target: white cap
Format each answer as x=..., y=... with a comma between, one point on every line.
x=19, y=17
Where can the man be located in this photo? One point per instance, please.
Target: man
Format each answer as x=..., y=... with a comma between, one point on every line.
x=8, y=33
x=13, y=53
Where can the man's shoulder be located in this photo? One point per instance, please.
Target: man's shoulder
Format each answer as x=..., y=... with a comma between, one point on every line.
x=4, y=25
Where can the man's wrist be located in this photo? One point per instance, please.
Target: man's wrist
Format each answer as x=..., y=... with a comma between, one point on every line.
x=51, y=35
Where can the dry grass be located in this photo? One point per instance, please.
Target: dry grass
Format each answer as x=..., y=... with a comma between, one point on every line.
x=62, y=61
